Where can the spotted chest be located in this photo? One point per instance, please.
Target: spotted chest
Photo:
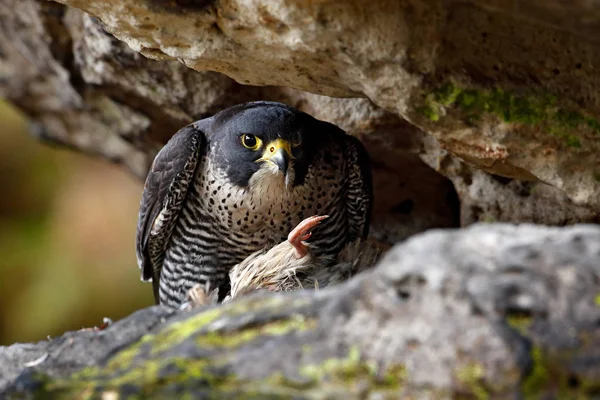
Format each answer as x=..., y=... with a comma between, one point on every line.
x=262, y=214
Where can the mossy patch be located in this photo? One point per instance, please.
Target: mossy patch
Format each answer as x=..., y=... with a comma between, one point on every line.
x=430, y=112
x=539, y=376
x=550, y=375
x=151, y=365
x=520, y=322
x=275, y=328
x=179, y=331
x=350, y=370
x=471, y=377
x=148, y=379
x=340, y=367
x=538, y=110
x=156, y=378
x=200, y=324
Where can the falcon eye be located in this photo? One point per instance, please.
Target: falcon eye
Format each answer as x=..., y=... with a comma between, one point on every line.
x=251, y=142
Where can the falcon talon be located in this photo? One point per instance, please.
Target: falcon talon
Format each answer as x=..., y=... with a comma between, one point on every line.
x=228, y=186
x=199, y=295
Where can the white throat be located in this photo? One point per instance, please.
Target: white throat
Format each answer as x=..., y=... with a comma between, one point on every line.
x=268, y=185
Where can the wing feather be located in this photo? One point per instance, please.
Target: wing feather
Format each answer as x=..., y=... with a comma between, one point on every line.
x=360, y=188
x=165, y=190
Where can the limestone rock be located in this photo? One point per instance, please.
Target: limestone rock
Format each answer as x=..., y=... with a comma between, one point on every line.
x=79, y=349
x=490, y=311
x=84, y=89
x=509, y=88
x=493, y=198
x=500, y=97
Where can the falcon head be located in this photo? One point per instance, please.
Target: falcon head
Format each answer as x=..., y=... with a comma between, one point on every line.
x=261, y=143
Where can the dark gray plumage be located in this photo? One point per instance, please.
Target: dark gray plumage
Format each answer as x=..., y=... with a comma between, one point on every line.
x=238, y=182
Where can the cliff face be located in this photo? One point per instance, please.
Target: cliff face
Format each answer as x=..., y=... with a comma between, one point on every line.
x=491, y=311
x=470, y=110
x=457, y=87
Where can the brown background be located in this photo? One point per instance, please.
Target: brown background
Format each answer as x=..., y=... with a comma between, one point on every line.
x=67, y=231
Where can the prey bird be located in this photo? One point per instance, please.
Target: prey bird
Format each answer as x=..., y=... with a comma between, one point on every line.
x=290, y=266
x=237, y=183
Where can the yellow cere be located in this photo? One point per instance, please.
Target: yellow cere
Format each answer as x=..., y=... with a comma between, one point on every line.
x=275, y=145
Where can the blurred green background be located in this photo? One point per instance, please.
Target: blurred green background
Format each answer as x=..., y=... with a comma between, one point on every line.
x=67, y=234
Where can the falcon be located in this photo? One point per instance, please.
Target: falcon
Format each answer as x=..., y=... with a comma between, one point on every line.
x=236, y=183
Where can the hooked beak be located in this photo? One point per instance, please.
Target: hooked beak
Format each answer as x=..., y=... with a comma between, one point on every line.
x=279, y=153
x=281, y=159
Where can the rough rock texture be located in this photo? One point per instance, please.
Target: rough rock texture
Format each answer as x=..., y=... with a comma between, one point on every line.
x=493, y=198
x=510, y=87
x=79, y=349
x=436, y=87
x=83, y=88
x=489, y=311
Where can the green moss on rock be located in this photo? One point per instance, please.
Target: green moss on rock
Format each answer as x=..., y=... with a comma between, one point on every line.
x=471, y=377
x=550, y=375
x=276, y=328
x=352, y=370
x=213, y=378
x=520, y=322
x=541, y=111
x=430, y=112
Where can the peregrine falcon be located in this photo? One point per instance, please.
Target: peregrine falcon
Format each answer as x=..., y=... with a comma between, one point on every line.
x=238, y=182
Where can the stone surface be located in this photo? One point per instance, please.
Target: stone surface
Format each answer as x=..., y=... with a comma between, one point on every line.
x=103, y=98
x=436, y=88
x=493, y=198
x=79, y=349
x=456, y=68
x=35, y=75
x=82, y=88
x=492, y=310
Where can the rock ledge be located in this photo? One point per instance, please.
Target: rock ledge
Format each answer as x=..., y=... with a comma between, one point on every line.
x=492, y=310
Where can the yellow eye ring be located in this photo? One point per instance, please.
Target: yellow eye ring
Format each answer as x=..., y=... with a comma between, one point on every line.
x=251, y=142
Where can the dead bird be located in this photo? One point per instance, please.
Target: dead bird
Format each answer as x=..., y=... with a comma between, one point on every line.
x=291, y=265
